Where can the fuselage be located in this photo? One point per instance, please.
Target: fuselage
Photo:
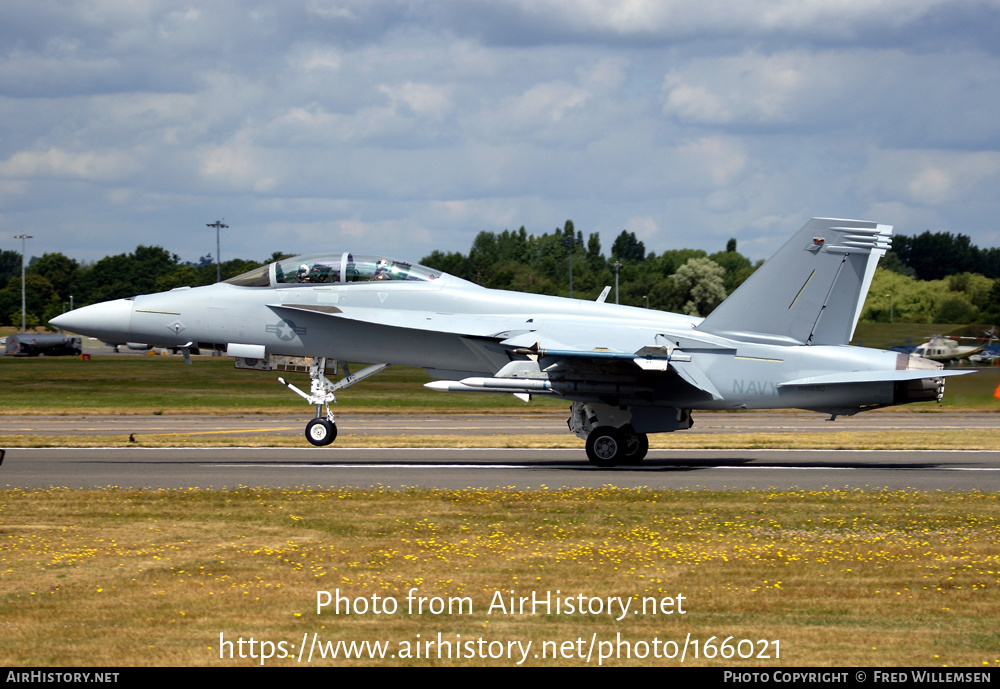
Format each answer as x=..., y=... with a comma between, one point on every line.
x=453, y=328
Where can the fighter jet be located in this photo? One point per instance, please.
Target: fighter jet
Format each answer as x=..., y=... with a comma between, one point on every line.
x=779, y=341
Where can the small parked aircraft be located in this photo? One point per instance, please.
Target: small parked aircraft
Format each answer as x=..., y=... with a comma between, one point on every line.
x=779, y=341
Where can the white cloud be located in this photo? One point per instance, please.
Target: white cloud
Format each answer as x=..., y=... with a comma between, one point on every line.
x=752, y=88
x=237, y=166
x=679, y=18
x=723, y=159
x=318, y=59
x=931, y=177
x=543, y=104
x=59, y=163
x=329, y=9
x=423, y=99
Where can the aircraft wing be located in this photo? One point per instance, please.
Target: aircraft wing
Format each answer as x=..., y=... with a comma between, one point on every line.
x=512, y=331
x=456, y=324
x=603, y=353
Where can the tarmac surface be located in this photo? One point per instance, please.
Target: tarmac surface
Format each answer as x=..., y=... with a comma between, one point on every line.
x=497, y=468
x=341, y=465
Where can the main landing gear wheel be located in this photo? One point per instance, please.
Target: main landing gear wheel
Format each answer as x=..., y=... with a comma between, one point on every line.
x=321, y=432
x=636, y=447
x=606, y=446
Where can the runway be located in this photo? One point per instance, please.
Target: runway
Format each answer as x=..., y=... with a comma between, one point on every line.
x=493, y=468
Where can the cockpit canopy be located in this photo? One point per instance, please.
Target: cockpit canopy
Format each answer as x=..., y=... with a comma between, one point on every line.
x=333, y=269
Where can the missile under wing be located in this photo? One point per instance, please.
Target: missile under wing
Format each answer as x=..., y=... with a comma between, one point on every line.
x=779, y=341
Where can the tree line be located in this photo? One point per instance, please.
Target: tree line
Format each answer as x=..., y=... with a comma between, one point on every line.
x=930, y=278
x=688, y=281
x=53, y=280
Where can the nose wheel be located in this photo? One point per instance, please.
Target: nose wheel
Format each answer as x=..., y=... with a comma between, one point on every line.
x=321, y=432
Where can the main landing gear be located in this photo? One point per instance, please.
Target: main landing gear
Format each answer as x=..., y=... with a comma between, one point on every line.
x=608, y=446
x=322, y=430
x=611, y=438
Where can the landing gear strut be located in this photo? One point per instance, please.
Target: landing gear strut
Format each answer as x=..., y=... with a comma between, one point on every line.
x=322, y=430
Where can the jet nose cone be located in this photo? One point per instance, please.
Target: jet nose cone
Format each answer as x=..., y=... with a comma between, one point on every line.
x=109, y=320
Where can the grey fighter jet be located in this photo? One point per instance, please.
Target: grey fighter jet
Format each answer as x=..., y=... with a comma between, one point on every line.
x=779, y=341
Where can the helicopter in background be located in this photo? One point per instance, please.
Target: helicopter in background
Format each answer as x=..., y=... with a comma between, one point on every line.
x=941, y=348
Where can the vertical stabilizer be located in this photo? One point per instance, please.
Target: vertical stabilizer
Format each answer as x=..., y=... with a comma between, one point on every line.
x=811, y=291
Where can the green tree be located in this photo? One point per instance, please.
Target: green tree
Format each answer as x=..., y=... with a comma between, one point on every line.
x=973, y=287
x=10, y=265
x=125, y=275
x=991, y=310
x=956, y=309
x=891, y=261
x=595, y=259
x=737, y=267
x=627, y=247
x=701, y=281
x=60, y=271
x=39, y=297
x=669, y=261
x=453, y=262
x=935, y=255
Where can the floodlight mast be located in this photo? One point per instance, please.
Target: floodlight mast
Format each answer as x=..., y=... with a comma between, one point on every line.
x=22, y=237
x=571, y=243
x=218, y=225
x=616, y=265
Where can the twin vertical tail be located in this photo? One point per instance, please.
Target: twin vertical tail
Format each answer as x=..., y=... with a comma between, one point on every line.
x=811, y=291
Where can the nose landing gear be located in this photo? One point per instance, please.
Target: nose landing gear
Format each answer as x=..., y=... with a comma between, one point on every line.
x=322, y=430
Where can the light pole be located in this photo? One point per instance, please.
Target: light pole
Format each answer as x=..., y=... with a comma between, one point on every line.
x=890, y=306
x=218, y=225
x=22, y=237
x=571, y=243
x=616, y=265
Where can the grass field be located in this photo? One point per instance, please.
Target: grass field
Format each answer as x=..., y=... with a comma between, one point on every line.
x=131, y=383
x=828, y=578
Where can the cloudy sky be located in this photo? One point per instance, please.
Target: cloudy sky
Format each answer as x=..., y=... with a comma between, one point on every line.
x=403, y=126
